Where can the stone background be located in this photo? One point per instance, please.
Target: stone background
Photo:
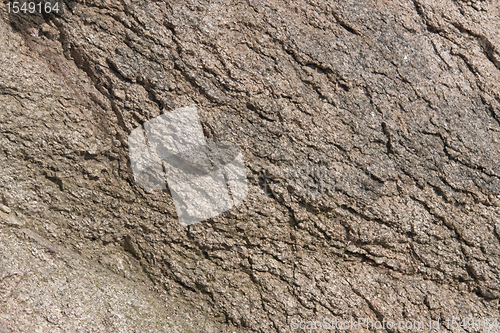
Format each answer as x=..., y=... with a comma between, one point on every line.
x=370, y=132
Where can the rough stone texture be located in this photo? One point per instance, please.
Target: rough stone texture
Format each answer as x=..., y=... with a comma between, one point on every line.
x=45, y=288
x=370, y=131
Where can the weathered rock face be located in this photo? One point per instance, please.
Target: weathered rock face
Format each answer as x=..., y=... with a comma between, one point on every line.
x=370, y=133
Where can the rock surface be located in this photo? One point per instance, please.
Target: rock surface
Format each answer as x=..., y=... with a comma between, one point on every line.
x=371, y=135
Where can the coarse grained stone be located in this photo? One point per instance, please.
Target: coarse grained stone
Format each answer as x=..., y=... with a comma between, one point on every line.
x=370, y=133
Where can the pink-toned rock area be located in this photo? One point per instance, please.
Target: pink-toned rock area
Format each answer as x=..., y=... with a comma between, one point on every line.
x=371, y=136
